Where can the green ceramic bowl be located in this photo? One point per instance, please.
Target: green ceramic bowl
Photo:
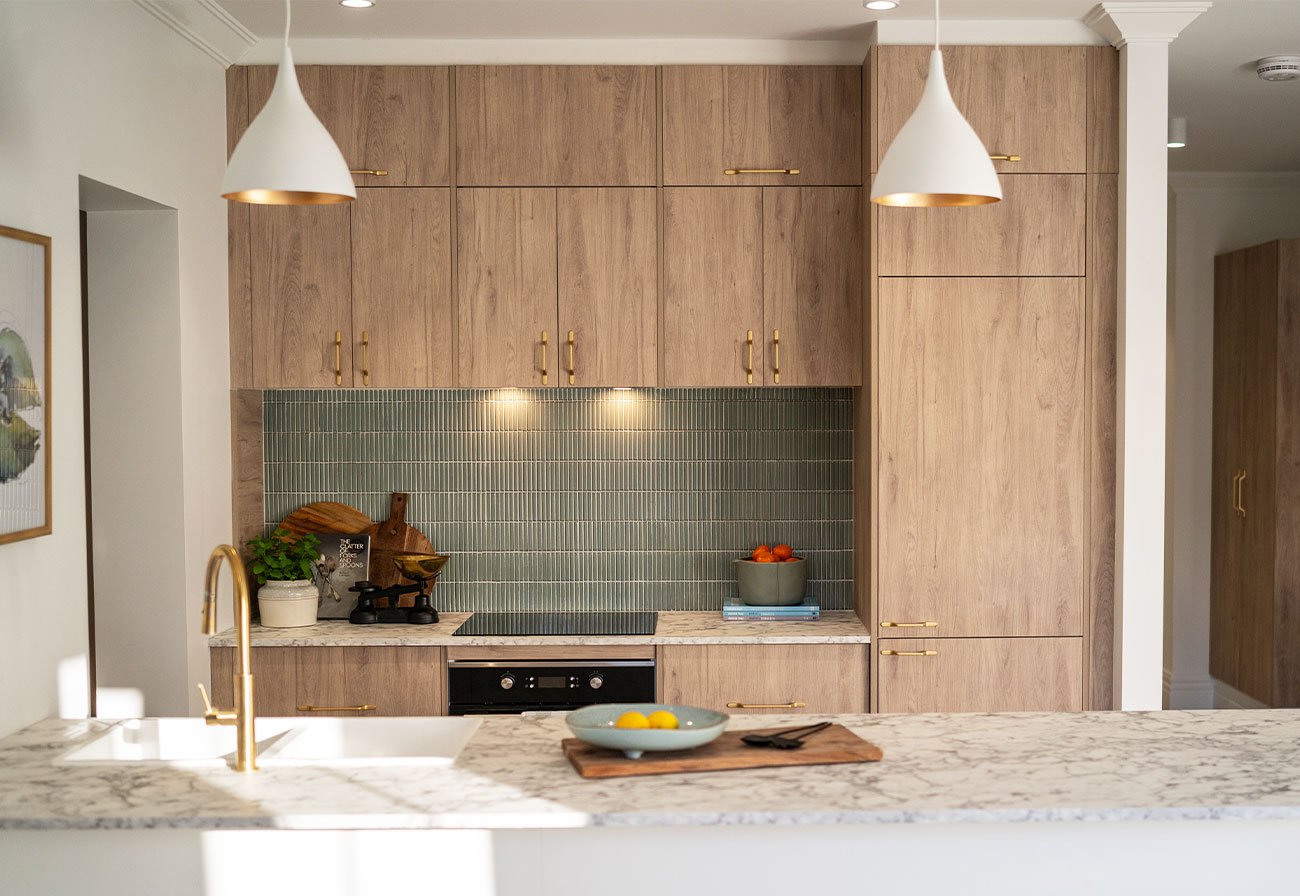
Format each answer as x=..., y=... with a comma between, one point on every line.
x=595, y=725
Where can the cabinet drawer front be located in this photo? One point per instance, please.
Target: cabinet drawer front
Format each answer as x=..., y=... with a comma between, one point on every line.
x=785, y=678
x=275, y=679
x=719, y=118
x=395, y=681
x=980, y=675
x=1037, y=230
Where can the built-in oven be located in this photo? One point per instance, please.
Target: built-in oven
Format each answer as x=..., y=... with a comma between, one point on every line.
x=483, y=687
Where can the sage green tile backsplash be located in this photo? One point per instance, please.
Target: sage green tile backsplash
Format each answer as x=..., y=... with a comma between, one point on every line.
x=582, y=499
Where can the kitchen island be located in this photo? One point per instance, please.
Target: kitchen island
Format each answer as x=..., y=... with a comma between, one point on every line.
x=1033, y=803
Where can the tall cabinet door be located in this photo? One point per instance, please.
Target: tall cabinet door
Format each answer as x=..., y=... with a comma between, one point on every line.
x=506, y=287
x=301, y=296
x=608, y=286
x=713, y=287
x=983, y=472
x=401, y=288
x=812, y=285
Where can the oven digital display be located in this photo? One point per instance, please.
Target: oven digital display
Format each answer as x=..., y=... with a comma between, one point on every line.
x=551, y=681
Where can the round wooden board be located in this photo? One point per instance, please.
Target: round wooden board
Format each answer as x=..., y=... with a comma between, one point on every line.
x=327, y=516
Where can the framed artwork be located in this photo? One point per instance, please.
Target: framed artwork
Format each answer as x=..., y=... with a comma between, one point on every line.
x=24, y=385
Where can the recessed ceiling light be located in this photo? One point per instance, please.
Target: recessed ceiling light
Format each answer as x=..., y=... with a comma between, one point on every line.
x=357, y=4
x=879, y=4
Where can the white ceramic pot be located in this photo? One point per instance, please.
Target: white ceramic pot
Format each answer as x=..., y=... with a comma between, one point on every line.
x=288, y=604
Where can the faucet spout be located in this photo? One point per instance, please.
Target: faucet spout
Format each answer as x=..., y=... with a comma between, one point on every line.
x=242, y=716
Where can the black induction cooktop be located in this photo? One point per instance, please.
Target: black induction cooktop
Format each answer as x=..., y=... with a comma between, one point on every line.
x=641, y=622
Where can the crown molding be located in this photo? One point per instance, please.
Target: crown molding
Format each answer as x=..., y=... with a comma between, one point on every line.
x=987, y=32
x=205, y=25
x=1125, y=23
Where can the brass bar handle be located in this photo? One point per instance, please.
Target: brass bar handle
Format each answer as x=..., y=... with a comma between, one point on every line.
x=365, y=353
x=734, y=171
x=926, y=624
x=776, y=357
x=361, y=707
x=544, y=373
x=749, y=364
x=793, y=704
x=572, y=369
x=338, y=357
x=1005, y=158
x=373, y=172
x=1236, y=493
x=1241, y=495
x=909, y=653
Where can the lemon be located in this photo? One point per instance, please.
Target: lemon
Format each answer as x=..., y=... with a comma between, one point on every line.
x=662, y=719
x=633, y=719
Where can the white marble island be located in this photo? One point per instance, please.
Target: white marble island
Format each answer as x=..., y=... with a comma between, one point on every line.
x=1062, y=802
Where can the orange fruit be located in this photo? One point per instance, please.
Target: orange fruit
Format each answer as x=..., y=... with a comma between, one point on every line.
x=791, y=559
x=761, y=549
x=783, y=552
x=766, y=558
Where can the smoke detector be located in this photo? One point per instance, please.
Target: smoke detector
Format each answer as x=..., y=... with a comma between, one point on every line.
x=1278, y=68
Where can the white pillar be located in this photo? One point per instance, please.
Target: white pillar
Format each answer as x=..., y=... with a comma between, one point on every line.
x=1142, y=32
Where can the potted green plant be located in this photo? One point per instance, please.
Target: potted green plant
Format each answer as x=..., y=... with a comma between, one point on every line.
x=283, y=565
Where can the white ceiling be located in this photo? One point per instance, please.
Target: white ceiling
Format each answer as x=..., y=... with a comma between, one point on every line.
x=1235, y=121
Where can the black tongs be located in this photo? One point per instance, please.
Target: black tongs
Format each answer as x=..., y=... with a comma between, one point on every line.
x=789, y=739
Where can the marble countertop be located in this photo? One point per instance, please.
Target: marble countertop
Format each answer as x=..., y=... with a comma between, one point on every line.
x=834, y=627
x=1014, y=767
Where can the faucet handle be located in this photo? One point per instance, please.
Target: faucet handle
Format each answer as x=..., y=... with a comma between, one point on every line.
x=213, y=715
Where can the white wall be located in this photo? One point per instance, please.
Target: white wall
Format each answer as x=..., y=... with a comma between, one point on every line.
x=106, y=91
x=1210, y=214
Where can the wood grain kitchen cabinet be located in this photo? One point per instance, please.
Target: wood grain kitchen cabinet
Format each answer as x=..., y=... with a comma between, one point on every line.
x=275, y=679
x=608, y=269
x=1026, y=101
x=391, y=118
x=402, y=322
x=555, y=125
x=784, y=678
x=726, y=117
x=1037, y=230
x=507, y=289
x=983, y=478
x=812, y=285
x=980, y=675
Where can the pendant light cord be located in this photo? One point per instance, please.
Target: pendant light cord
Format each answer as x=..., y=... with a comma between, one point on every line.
x=936, y=24
x=289, y=12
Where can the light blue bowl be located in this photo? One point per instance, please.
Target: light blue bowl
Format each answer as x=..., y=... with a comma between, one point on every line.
x=595, y=725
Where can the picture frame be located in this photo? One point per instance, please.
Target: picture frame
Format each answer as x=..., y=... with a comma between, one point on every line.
x=25, y=468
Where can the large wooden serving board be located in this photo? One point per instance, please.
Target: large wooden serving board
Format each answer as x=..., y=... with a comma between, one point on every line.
x=835, y=745
x=391, y=537
x=326, y=516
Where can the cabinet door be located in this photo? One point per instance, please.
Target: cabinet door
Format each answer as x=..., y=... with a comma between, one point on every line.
x=555, y=125
x=1025, y=101
x=506, y=284
x=397, y=681
x=713, y=287
x=275, y=679
x=812, y=285
x=980, y=675
x=401, y=288
x=983, y=472
x=608, y=286
x=391, y=118
x=1037, y=230
x=301, y=296
x=786, y=678
x=718, y=118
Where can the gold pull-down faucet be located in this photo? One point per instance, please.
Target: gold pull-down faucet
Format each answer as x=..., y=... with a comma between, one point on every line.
x=242, y=715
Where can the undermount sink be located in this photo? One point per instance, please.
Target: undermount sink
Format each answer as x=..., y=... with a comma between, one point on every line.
x=192, y=743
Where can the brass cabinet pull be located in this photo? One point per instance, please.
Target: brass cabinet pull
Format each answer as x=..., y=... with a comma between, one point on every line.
x=793, y=704
x=338, y=357
x=776, y=357
x=362, y=707
x=1236, y=493
x=749, y=364
x=1005, y=158
x=1241, y=493
x=734, y=171
x=365, y=363
x=373, y=172
x=572, y=369
x=544, y=373
x=909, y=653
x=926, y=624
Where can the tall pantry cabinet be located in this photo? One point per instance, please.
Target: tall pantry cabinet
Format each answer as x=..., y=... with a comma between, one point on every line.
x=1255, y=492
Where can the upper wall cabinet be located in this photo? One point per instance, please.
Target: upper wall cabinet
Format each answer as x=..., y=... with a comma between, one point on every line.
x=552, y=125
x=385, y=118
x=744, y=119
x=1025, y=101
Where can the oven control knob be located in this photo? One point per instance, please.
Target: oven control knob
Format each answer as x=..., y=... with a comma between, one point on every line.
x=507, y=682
x=596, y=681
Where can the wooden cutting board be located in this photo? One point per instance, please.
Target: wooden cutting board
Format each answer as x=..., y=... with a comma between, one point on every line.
x=833, y=746
x=394, y=536
x=327, y=516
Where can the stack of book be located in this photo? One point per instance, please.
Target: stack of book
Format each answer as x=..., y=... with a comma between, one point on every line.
x=734, y=609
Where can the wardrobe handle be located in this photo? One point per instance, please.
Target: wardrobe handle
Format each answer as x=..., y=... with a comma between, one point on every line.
x=749, y=364
x=572, y=369
x=926, y=624
x=338, y=357
x=776, y=357
x=373, y=172
x=544, y=358
x=909, y=653
x=793, y=704
x=365, y=353
x=1241, y=495
x=1005, y=158
x=734, y=171
x=360, y=707
x=1236, y=481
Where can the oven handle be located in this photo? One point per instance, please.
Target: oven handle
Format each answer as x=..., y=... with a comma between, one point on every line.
x=546, y=664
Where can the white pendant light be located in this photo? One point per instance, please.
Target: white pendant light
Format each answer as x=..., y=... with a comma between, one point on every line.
x=937, y=158
x=286, y=157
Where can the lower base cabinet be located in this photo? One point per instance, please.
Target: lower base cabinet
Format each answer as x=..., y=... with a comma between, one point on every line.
x=774, y=678
x=980, y=675
x=338, y=681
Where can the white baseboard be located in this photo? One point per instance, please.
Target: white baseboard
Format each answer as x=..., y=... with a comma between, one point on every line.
x=1189, y=691
x=1228, y=697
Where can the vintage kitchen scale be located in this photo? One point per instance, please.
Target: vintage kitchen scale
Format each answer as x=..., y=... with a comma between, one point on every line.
x=422, y=570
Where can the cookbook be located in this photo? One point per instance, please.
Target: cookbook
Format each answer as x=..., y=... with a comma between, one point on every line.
x=342, y=563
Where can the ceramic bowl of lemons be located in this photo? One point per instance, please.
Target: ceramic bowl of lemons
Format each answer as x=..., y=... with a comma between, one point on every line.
x=637, y=728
